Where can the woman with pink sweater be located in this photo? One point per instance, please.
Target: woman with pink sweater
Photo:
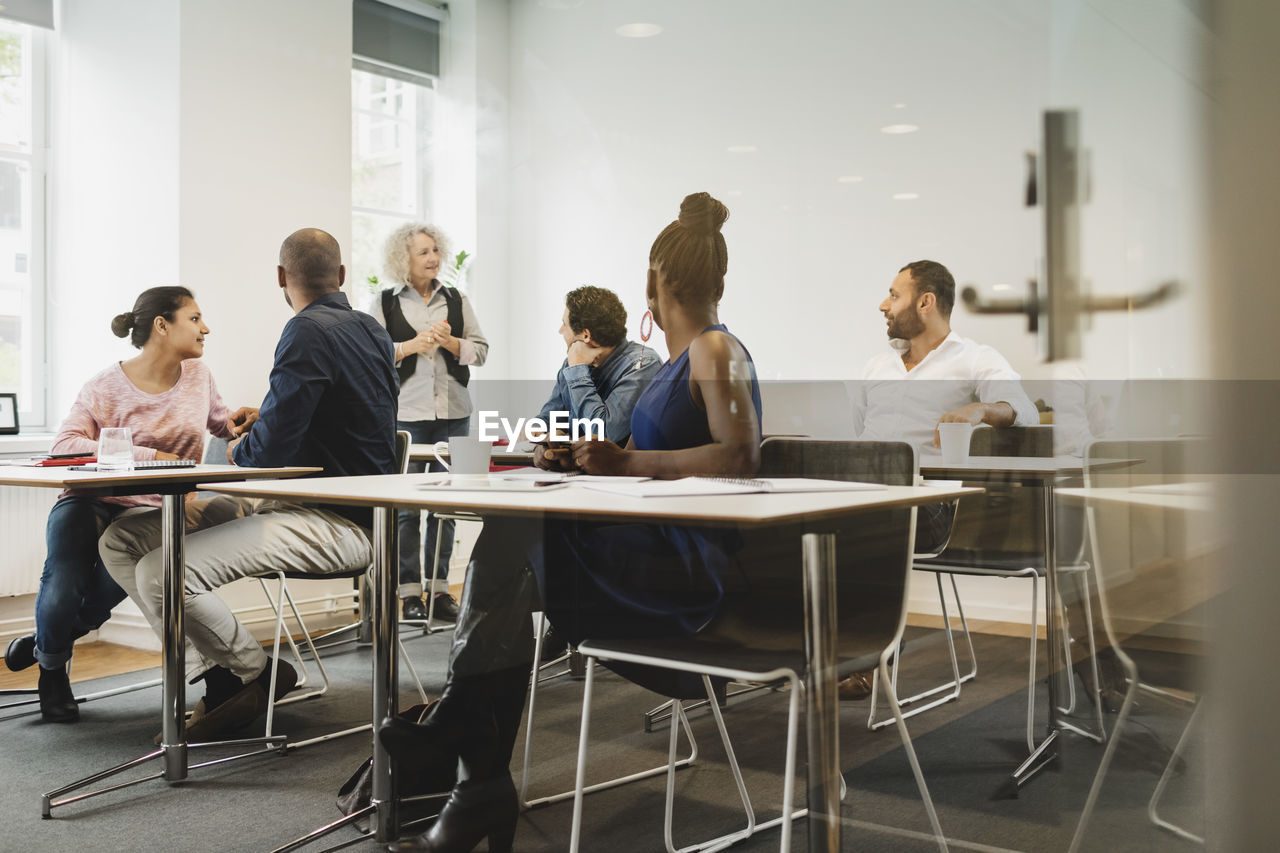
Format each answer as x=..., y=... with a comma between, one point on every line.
x=166, y=396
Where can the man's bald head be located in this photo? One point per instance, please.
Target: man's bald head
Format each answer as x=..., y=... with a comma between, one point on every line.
x=312, y=261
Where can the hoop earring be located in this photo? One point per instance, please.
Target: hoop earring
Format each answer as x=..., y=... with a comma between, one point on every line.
x=646, y=333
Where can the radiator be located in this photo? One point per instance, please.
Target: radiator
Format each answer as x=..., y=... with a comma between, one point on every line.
x=23, y=512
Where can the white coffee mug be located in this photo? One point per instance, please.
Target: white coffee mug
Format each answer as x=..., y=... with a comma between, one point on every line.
x=954, y=438
x=115, y=449
x=468, y=456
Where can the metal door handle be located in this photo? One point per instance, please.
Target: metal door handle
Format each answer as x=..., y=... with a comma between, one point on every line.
x=1087, y=304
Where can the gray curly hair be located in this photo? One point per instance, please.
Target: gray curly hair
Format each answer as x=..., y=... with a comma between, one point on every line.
x=395, y=252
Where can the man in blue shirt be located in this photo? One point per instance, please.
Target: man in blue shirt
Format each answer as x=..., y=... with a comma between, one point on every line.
x=331, y=404
x=603, y=373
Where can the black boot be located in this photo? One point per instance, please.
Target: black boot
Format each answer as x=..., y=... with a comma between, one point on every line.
x=476, y=809
x=57, y=702
x=484, y=804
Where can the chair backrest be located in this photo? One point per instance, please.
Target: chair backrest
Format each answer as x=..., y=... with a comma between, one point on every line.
x=873, y=552
x=1004, y=522
x=215, y=452
x=403, y=440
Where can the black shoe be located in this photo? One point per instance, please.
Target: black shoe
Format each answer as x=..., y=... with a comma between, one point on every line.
x=553, y=644
x=413, y=610
x=21, y=653
x=57, y=702
x=445, y=608
x=474, y=811
x=1111, y=686
x=286, y=679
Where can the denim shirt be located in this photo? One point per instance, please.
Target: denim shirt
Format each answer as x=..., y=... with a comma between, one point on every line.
x=608, y=391
x=332, y=398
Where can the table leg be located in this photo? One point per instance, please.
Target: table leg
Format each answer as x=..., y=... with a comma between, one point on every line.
x=385, y=676
x=1047, y=751
x=174, y=643
x=174, y=748
x=822, y=719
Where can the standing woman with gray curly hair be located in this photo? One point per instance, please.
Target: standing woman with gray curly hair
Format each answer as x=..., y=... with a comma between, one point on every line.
x=437, y=341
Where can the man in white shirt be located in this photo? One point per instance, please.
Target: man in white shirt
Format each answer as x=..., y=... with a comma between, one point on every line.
x=930, y=375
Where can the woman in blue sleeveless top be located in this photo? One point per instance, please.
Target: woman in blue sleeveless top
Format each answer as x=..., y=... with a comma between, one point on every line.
x=700, y=415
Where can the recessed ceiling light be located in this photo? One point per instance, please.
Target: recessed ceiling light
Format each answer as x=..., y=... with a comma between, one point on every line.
x=742, y=149
x=899, y=128
x=849, y=179
x=906, y=196
x=1002, y=287
x=899, y=106
x=638, y=31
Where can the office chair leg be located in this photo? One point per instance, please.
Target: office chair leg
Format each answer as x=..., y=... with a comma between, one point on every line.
x=679, y=718
x=1153, y=805
x=1131, y=672
x=956, y=678
x=1031, y=674
x=892, y=698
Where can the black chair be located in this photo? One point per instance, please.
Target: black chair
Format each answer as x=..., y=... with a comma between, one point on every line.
x=1000, y=534
x=759, y=634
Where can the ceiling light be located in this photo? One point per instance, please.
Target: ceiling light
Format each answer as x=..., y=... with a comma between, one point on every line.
x=638, y=31
x=742, y=149
x=849, y=179
x=1002, y=287
x=899, y=106
x=899, y=128
x=906, y=196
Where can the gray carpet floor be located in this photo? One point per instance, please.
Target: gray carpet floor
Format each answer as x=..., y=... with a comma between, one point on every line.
x=966, y=747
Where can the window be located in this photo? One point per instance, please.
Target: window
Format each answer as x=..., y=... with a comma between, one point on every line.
x=396, y=62
x=22, y=193
x=391, y=144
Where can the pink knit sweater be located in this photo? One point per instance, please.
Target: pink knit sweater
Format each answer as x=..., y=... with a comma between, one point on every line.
x=174, y=421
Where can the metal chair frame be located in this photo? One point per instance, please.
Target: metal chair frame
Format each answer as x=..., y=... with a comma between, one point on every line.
x=603, y=650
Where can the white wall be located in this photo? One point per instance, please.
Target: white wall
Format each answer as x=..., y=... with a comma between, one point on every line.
x=265, y=124
x=114, y=199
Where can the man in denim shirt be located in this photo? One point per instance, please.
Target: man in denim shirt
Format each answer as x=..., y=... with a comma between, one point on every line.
x=603, y=373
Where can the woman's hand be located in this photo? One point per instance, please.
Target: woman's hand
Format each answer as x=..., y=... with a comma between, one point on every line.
x=599, y=456
x=442, y=335
x=423, y=343
x=161, y=455
x=558, y=458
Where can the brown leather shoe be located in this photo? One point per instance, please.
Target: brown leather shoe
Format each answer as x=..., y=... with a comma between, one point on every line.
x=237, y=712
x=856, y=686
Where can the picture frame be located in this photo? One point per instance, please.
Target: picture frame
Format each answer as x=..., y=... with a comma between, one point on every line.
x=8, y=414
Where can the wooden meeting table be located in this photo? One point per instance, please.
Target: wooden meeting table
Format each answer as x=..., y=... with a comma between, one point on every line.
x=173, y=485
x=815, y=510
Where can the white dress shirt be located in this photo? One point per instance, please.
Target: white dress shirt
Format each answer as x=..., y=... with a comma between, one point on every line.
x=431, y=393
x=892, y=403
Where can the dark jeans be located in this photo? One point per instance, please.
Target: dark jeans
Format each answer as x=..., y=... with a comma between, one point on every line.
x=408, y=523
x=76, y=593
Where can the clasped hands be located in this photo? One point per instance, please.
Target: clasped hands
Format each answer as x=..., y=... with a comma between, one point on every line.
x=425, y=342
x=590, y=456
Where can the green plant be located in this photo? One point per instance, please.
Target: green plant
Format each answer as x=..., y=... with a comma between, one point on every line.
x=454, y=274
x=372, y=281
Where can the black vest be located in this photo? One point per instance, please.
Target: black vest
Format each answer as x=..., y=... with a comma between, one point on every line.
x=400, y=330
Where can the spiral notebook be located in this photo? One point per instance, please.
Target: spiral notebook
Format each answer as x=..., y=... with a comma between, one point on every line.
x=690, y=486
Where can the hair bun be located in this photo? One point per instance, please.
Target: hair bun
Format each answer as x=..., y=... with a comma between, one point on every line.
x=122, y=324
x=701, y=214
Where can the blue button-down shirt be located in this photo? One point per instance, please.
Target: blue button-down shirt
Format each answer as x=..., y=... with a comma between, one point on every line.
x=608, y=392
x=332, y=398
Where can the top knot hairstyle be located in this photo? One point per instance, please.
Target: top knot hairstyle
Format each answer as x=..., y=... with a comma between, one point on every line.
x=152, y=303
x=691, y=251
